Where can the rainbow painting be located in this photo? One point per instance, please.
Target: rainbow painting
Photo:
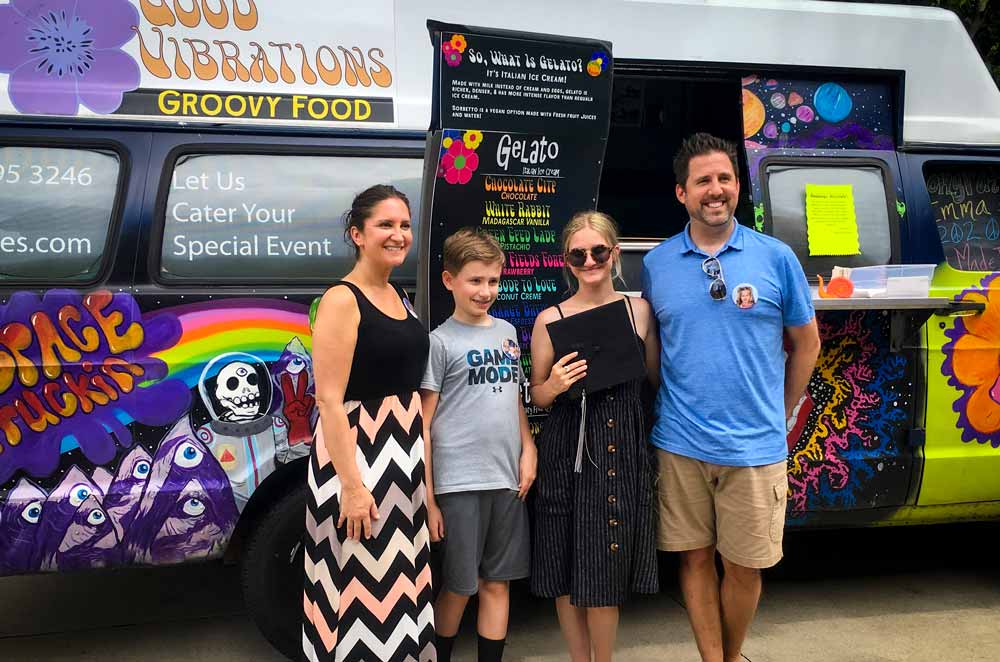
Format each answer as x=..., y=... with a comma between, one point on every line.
x=261, y=327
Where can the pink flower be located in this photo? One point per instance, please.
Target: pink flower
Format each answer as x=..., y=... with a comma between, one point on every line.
x=453, y=59
x=459, y=163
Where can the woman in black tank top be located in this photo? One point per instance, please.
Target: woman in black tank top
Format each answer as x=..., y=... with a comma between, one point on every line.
x=367, y=520
x=594, y=541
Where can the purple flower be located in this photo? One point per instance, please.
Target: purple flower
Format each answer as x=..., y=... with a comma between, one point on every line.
x=63, y=53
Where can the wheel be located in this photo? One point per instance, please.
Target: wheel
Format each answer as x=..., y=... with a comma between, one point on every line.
x=271, y=571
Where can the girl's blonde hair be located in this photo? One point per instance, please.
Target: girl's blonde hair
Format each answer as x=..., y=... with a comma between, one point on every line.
x=605, y=226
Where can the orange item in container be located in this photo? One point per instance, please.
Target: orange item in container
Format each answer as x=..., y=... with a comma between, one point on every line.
x=838, y=288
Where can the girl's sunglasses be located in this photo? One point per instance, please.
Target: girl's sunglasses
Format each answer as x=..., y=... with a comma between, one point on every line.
x=578, y=256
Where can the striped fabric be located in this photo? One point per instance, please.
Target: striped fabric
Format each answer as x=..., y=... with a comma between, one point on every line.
x=370, y=600
x=595, y=531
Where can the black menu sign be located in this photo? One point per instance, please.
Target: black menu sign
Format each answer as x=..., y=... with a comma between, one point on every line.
x=517, y=140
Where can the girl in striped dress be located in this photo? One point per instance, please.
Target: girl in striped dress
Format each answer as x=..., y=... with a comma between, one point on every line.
x=595, y=536
x=367, y=563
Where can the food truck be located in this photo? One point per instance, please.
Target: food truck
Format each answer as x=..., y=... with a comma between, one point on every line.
x=171, y=180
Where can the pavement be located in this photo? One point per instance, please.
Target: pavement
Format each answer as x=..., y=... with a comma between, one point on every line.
x=927, y=594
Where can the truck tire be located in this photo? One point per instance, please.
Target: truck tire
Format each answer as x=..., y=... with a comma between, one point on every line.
x=271, y=572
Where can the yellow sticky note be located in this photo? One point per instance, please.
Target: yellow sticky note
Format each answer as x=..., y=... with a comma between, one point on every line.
x=831, y=223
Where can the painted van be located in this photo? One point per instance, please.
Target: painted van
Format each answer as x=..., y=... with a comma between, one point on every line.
x=170, y=185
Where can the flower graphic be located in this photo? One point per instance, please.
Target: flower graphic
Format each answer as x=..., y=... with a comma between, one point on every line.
x=473, y=139
x=459, y=163
x=972, y=365
x=452, y=56
x=446, y=143
x=63, y=53
x=458, y=43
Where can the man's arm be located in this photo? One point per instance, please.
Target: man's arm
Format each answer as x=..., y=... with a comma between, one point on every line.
x=803, y=350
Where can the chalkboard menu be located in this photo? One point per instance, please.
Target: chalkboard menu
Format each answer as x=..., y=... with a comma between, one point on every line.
x=519, y=128
x=965, y=199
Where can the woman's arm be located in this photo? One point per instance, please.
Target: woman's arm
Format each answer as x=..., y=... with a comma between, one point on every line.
x=650, y=338
x=435, y=522
x=335, y=335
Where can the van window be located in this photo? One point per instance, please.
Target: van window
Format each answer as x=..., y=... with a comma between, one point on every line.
x=965, y=201
x=260, y=218
x=784, y=187
x=651, y=115
x=56, y=207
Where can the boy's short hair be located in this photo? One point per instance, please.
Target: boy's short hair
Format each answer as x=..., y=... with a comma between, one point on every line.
x=702, y=144
x=470, y=245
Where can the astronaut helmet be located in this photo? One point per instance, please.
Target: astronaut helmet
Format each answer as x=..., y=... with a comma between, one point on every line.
x=236, y=388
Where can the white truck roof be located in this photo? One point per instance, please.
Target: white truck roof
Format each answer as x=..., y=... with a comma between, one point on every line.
x=950, y=96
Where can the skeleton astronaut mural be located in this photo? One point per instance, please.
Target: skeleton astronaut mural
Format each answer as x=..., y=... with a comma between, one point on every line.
x=242, y=434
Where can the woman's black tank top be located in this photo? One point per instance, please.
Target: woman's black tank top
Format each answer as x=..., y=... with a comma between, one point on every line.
x=390, y=354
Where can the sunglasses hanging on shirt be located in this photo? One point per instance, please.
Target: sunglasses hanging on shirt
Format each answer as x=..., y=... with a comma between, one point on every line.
x=713, y=269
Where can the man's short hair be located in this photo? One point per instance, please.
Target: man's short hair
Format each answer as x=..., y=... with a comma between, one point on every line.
x=470, y=245
x=700, y=144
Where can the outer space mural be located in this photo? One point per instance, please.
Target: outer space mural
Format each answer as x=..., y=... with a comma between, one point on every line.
x=816, y=114
x=845, y=444
x=130, y=437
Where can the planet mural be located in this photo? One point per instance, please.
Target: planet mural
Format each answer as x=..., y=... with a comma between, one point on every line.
x=832, y=102
x=809, y=114
x=753, y=113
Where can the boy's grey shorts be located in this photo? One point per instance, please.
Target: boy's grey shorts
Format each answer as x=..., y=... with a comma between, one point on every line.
x=485, y=536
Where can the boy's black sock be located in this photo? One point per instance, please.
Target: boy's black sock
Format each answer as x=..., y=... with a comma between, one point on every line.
x=490, y=650
x=444, y=645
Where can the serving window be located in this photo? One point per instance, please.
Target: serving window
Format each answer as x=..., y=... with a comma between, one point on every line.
x=56, y=209
x=272, y=218
x=784, y=185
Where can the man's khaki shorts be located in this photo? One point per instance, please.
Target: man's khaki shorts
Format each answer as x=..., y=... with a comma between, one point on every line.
x=740, y=510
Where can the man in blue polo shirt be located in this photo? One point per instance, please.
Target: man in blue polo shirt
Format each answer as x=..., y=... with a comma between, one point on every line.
x=739, y=342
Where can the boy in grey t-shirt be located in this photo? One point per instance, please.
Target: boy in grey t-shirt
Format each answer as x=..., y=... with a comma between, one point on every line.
x=481, y=458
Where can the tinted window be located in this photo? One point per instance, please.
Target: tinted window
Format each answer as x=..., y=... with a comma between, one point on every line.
x=55, y=210
x=786, y=192
x=965, y=200
x=247, y=217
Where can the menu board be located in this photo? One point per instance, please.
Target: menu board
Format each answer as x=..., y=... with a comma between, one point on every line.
x=965, y=199
x=519, y=128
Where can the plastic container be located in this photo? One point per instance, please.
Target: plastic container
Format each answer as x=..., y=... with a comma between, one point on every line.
x=894, y=280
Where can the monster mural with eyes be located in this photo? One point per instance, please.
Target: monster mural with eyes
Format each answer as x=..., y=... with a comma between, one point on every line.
x=187, y=509
x=20, y=516
x=125, y=491
x=76, y=532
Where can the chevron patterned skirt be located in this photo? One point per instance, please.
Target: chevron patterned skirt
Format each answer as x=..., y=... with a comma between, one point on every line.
x=370, y=600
